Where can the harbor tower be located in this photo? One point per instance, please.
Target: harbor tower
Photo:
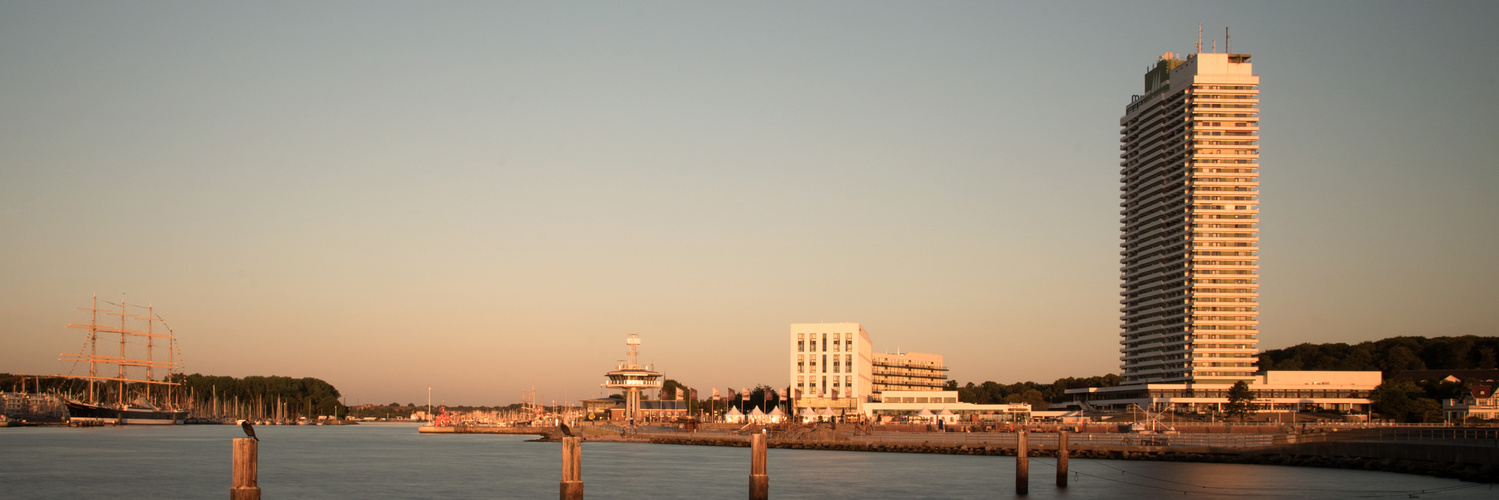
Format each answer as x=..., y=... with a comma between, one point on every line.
x=631, y=377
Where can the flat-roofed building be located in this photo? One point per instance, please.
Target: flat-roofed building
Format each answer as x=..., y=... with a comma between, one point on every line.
x=1342, y=391
x=922, y=405
x=830, y=360
x=907, y=371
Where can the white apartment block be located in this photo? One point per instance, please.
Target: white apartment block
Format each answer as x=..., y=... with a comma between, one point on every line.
x=907, y=371
x=1190, y=210
x=830, y=361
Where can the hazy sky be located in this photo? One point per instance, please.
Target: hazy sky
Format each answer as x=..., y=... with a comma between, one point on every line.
x=478, y=197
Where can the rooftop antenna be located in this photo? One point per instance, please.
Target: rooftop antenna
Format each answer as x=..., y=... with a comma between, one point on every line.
x=1199, y=38
x=1226, y=50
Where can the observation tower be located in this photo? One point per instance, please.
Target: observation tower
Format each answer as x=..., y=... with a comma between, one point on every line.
x=632, y=378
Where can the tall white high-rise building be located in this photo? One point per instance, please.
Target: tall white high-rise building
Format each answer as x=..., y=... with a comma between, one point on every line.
x=1190, y=212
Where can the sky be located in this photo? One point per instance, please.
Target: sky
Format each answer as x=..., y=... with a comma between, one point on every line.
x=481, y=198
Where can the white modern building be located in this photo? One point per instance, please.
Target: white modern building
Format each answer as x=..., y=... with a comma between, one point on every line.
x=830, y=365
x=1189, y=165
x=907, y=371
x=833, y=367
x=1274, y=391
x=1189, y=169
x=930, y=406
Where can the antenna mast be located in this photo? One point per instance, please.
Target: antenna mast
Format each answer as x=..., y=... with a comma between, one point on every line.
x=1226, y=50
x=1199, y=38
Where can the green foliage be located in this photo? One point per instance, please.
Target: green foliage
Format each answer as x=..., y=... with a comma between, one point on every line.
x=1391, y=355
x=1038, y=395
x=1406, y=401
x=309, y=397
x=1240, y=400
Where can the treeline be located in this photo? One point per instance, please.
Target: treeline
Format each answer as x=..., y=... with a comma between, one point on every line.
x=1391, y=355
x=1399, y=399
x=308, y=397
x=1036, y=394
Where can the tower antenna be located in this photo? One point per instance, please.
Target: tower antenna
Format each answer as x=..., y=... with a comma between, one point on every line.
x=1226, y=50
x=1199, y=38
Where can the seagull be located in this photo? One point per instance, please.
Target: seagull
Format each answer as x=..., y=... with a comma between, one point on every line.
x=249, y=430
x=565, y=431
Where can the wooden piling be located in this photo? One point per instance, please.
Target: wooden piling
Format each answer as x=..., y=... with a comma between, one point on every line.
x=246, y=477
x=759, y=480
x=1022, y=465
x=572, y=468
x=1062, y=459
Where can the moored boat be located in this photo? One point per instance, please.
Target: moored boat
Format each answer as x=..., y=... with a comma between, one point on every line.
x=139, y=395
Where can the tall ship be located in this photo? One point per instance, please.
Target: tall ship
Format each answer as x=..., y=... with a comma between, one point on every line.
x=134, y=384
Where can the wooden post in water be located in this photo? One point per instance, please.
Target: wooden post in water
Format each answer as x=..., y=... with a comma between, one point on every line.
x=1022, y=465
x=572, y=468
x=1062, y=459
x=246, y=456
x=759, y=480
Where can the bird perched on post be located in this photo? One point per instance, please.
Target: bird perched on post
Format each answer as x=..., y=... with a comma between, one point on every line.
x=565, y=431
x=249, y=429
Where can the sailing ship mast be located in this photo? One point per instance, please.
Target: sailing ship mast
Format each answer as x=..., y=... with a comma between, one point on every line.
x=123, y=361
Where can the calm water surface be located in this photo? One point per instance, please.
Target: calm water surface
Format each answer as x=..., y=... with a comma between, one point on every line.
x=394, y=461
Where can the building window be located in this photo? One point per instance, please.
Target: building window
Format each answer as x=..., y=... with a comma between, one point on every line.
x=836, y=344
x=801, y=364
x=824, y=364
x=824, y=342
x=801, y=343
x=848, y=343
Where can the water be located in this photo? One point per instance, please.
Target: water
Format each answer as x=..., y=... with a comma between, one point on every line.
x=394, y=461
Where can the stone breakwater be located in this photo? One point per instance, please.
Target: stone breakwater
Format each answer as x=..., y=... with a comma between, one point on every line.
x=1449, y=460
x=1485, y=472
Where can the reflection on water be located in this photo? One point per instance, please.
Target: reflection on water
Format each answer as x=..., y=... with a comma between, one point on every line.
x=394, y=461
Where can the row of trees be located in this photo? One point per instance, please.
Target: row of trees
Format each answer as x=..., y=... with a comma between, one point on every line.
x=1036, y=394
x=1391, y=355
x=308, y=397
x=1398, y=398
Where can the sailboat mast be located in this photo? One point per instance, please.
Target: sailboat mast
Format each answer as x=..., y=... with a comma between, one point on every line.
x=150, y=346
x=121, y=395
x=93, y=348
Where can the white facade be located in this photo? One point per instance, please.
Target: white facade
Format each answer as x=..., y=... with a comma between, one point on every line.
x=907, y=371
x=1189, y=215
x=829, y=359
x=934, y=405
x=1345, y=391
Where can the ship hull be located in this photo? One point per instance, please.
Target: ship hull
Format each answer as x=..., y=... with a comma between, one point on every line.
x=82, y=412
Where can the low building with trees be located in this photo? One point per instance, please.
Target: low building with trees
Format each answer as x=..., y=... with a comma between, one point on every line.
x=1273, y=391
